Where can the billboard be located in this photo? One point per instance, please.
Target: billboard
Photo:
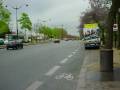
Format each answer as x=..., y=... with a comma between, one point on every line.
x=90, y=29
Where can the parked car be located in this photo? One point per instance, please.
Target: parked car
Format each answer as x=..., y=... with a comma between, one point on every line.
x=1, y=41
x=14, y=42
x=92, y=42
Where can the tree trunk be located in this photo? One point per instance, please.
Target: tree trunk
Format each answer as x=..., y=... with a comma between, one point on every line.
x=110, y=22
x=106, y=54
x=118, y=46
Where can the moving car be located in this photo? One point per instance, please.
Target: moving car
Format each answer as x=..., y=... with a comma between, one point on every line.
x=57, y=41
x=14, y=42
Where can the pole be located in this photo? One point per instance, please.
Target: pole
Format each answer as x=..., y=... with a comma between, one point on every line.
x=62, y=32
x=16, y=20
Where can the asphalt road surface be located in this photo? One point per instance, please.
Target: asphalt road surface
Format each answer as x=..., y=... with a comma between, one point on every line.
x=52, y=66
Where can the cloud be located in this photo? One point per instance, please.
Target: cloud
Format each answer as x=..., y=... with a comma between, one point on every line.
x=61, y=12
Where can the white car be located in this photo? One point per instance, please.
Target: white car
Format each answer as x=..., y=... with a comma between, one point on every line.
x=5, y=41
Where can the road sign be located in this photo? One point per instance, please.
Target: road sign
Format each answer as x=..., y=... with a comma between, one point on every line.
x=115, y=27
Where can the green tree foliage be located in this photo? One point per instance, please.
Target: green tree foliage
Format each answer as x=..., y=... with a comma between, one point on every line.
x=52, y=32
x=3, y=27
x=4, y=19
x=25, y=22
x=4, y=13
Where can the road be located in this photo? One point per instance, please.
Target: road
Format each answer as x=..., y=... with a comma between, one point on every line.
x=42, y=67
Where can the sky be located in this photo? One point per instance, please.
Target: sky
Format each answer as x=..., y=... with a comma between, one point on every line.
x=54, y=13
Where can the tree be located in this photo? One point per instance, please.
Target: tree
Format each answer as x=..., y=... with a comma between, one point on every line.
x=107, y=51
x=4, y=19
x=4, y=13
x=97, y=14
x=25, y=22
x=118, y=46
x=3, y=28
x=52, y=32
x=110, y=21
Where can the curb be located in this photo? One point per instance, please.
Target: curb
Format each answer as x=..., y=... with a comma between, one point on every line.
x=82, y=77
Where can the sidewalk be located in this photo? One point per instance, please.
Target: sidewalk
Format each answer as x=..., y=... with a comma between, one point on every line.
x=91, y=78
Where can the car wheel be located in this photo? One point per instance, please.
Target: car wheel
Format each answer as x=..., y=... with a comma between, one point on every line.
x=21, y=46
x=7, y=48
x=15, y=48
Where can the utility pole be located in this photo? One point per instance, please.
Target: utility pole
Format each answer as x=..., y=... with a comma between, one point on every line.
x=16, y=14
x=16, y=9
x=62, y=33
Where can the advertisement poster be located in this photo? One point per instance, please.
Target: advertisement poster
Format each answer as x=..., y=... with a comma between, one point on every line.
x=90, y=29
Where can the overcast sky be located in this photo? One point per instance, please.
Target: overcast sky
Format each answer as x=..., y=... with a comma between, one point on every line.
x=55, y=12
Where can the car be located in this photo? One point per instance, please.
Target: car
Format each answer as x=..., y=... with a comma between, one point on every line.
x=57, y=41
x=66, y=39
x=1, y=41
x=92, y=45
x=14, y=42
x=91, y=42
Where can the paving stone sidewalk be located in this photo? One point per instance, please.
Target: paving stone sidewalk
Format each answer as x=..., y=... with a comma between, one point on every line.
x=91, y=78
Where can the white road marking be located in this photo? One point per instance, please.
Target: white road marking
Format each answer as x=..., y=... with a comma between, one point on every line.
x=74, y=52
x=64, y=61
x=70, y=56
x=65, y=76
x=34, y=85
x=52, y=71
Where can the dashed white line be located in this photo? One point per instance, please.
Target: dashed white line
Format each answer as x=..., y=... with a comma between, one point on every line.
x=35, y=85
x=70, y=56
x=52, y=71
x=73, y=52
x=64, y=61
x=76, y=50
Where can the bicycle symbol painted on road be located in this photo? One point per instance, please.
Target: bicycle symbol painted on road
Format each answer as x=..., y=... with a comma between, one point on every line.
x=65, y=76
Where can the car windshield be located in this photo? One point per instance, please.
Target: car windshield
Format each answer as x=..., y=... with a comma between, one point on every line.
x=12, y=37
x=87, y=38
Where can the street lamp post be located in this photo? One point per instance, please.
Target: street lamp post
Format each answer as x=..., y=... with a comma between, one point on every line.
x=16, y=13
x=62, y=33
x=16, y=9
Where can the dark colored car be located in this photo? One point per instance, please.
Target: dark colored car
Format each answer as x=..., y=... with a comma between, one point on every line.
x=56, y=41
x=14, y=42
